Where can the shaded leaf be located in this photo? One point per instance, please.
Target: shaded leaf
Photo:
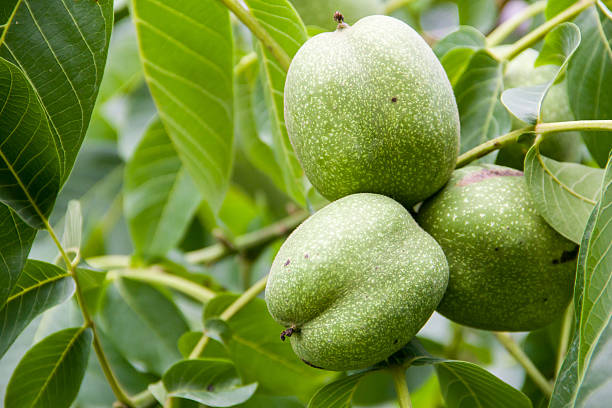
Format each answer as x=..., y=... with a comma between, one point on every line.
x=456, y=49
x=284, y=25
x=481, y=14
x=41, y=286
x=160, y=196
x=213, y=382
x=585, y=374
x=563, y=193
x=68, y=42
x=260, y=355
x=481, y=113
x=588, y=74
x=464, y=383
x=258, y=152
x=50, y=373
x=554, y=7
x=336, y=394
x=30, y=167
x=142, y=324
x=16, y=239
x=187, y=52
x=559, y=46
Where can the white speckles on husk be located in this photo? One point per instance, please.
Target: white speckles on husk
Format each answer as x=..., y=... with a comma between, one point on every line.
x=509, y=270
x=358, y=279
x=369, y=108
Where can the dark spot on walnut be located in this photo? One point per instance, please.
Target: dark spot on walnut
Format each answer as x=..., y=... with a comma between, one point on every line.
x=546, y=299
x=496, y=249
x=555, y=261
x=287, y=262
x=394, y=99
x=312, y=365
x=210, y=387
x=567, y=256
x=395, y=341
x=305, y=256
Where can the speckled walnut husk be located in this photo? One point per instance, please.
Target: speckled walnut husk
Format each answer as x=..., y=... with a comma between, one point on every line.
x=369, y=108
x=355, y=282
x=509, y=270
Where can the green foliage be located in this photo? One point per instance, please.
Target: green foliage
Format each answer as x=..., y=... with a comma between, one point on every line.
x=563, y=193
x=213, y=382
x=588, y=70
x=582, y=379
x=160, y=195
x=186, y=51
x=50, y=373
x=131, y=159
x=40, y=287
x=286, y=28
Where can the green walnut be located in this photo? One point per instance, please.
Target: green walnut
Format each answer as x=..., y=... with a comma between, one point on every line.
x=320, y=12
x=369, y=109
x=564, y=146
x=509, y=270
x=355, y=282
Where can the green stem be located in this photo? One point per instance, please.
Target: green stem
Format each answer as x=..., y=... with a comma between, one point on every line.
x=554, y=127
x=258, y=31
x=519, y=355
x=9, y=21
x=157, y=276
x=401, y=388
x=253, y=239
x=491, y=145
x=540, y=129
x=244, y=299
x=539, y=33
x=505, y=29
x=566, y=327
x=104, y=364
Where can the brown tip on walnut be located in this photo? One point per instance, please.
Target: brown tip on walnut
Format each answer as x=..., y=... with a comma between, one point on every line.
x=338, y=17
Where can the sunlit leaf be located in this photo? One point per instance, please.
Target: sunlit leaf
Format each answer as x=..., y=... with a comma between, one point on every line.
x=187, y=52
x=283, y=24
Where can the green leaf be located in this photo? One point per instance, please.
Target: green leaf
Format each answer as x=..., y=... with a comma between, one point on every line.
x=187, y=52
x=583, y=378
x=260, y=355
x=160, y=196
x=213, y=382
x=30, y=168
x=587, y=75
x=481, y=113
x=40, y=287
x=563, y=193
x=142, y=324
x=336, y=394
x=554, y=7
x=481, y=14
x=16, y=239
x=559, y=46
x=456, y=49
x=259, y=153
x=50, y=373
x=467, y=384
x=284, y=25
x=68, y=42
